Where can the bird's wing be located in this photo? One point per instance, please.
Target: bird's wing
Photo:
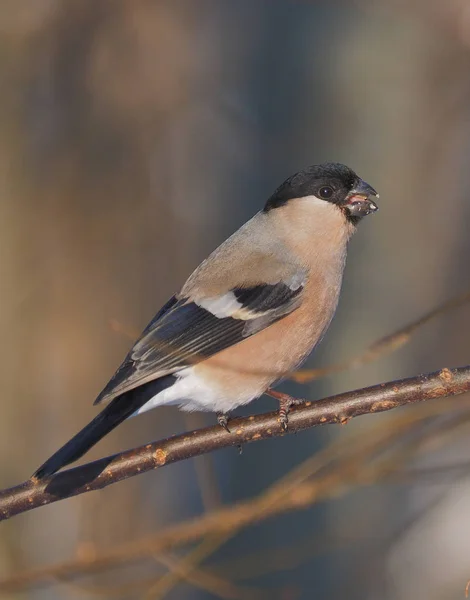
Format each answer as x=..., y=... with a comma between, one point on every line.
x=187, y=330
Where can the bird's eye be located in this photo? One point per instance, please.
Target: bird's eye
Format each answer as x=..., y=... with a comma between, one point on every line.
x=325, y=192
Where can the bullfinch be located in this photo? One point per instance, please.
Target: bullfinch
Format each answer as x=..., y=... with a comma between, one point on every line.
x=247, y=316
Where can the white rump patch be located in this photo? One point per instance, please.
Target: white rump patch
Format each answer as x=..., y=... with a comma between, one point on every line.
x=192, y=393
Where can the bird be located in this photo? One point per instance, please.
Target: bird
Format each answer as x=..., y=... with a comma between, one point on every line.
x=248, y=315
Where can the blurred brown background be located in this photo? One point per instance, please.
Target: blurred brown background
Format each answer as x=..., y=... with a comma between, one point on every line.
x=134, y=137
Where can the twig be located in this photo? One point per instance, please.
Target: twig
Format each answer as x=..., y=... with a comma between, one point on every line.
x=336, y=409
x=203, y=579
x=385, y=345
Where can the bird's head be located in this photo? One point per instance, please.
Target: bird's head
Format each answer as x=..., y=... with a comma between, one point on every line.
x=329, y=182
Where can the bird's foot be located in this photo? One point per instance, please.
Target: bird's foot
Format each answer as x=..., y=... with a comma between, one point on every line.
x=285, y=404
x=222, y=420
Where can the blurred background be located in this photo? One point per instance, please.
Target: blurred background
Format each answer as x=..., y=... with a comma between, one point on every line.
x=134, y=137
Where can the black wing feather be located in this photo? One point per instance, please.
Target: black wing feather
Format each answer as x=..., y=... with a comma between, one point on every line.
x=183, y=333
x=263, y=298
x=186, y=331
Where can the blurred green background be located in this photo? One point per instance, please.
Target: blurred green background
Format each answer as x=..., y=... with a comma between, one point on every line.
x=134, y=137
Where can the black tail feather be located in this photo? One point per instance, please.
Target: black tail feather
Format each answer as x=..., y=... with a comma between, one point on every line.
x=116, y=412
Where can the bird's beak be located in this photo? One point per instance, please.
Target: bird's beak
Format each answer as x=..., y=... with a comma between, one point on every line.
x=358, y=203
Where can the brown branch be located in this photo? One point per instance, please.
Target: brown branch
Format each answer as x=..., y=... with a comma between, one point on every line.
x=201, y=578
x=385, y=345
x=333, y=471
x=336, y=409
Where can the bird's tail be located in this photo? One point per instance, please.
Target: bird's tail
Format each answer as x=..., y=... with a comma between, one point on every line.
x=119, y=409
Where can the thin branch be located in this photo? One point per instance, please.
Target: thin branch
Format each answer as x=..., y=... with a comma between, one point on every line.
x=203, y=579
x=185, y=566
x=385, y=345
x=336, y=409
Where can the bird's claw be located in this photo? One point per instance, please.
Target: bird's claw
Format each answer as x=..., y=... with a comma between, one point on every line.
x=222, y=420
x=285, y=404
x=284, y=408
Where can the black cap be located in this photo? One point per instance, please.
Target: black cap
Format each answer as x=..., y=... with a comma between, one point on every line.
x=329, y=181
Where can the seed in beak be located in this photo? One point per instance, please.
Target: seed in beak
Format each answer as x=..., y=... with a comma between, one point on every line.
x=359, y=205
